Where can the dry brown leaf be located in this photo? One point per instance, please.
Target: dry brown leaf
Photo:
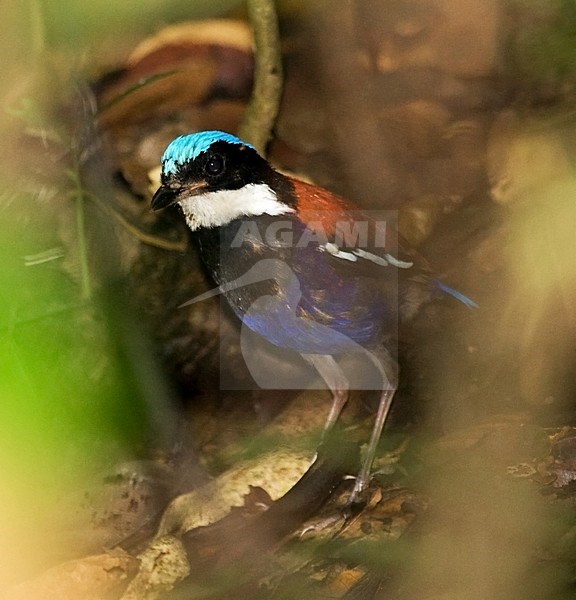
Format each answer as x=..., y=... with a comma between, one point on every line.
x=275, y=472
x=162, y=565
x=223, y=32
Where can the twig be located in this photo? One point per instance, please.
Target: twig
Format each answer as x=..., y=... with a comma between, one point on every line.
x=79, y=197
x=146, y=238
x=134, y=88
x=265, y=101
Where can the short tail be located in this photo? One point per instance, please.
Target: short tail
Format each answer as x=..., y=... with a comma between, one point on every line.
x=455, y=294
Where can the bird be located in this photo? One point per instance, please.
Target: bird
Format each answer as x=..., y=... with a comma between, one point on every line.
x=303, y=267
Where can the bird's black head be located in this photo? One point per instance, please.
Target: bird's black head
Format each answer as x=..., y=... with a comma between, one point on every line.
x=215, y=178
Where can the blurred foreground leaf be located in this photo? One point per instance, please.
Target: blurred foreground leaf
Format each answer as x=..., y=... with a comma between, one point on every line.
x=76, y=22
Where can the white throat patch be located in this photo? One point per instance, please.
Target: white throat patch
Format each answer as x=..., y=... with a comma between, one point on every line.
x=214, y=209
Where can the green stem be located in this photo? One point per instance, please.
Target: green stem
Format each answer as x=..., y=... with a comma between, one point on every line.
x=85, y=283
x=265, y=100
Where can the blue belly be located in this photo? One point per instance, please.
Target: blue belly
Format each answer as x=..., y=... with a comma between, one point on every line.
x=306, y=302
x=295, y=319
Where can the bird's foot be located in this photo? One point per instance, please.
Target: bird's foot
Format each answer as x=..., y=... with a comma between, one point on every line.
x=357, y=501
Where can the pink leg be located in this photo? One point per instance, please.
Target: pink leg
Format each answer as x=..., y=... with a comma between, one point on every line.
x=334, y=377
x=336, y=381
x=363, y=478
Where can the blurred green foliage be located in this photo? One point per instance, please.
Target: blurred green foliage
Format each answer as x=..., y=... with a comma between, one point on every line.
x=70, y=406
x=62, y=395
x=544, y=43
x=78, y=23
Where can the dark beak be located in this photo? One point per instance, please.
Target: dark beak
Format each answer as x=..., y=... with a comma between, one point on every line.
x=166, y=196
x=163, y=198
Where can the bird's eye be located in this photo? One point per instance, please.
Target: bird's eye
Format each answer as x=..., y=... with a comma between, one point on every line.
x=215, y=165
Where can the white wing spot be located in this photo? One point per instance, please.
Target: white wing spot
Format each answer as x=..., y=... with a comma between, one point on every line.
x=334, y=250
x=353, y=256
x=371, y=257
x=396, y=262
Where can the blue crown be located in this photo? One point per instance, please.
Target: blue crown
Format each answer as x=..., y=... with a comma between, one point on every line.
x=188, y=147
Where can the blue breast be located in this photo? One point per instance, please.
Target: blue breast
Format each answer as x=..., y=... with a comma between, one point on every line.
x=294, y=318
x=299, y=298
